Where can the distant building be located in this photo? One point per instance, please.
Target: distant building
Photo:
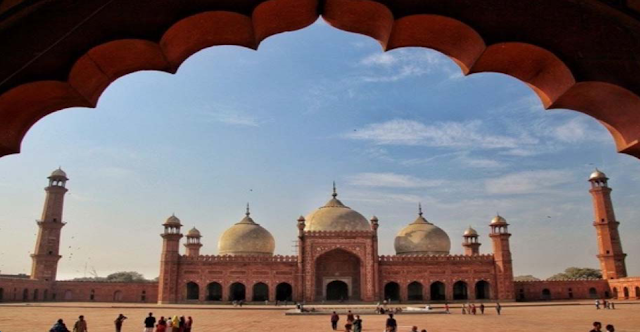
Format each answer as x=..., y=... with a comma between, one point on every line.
x=337, y=260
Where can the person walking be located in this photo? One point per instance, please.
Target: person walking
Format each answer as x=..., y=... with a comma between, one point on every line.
x=473, y=309
x=446, y=307
x=118, y=322
x=464, y=309
x=59, y=326
x=162, y=325
x=391, y=325
x=498, y=308
x=597, y=304
x=334, y=320
x=357, y=324
x=612, y=305
x=182, y=324
x=149, y=323
x=597, y=327
x=350, y=318
x=80, y=325
x=482, y=308
x=189, y=324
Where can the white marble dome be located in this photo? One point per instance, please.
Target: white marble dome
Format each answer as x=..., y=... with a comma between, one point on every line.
x=246, y=238
x=422, y=238
x=335, y=216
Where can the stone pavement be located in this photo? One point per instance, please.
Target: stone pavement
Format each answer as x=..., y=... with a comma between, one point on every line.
x=517, y=318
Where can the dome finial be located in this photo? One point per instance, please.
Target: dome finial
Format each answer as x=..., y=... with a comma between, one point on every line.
x=335, y=193
x=420, y=209
x=248, y=212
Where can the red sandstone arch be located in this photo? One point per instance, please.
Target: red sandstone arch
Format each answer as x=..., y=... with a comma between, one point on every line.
x=582, y=56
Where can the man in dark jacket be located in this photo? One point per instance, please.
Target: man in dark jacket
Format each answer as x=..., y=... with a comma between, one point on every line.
x=149, y=323
x=392, y=325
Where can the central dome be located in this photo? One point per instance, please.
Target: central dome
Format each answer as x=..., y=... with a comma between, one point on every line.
x=422, y=238
x=335, y=216
x=246, y=238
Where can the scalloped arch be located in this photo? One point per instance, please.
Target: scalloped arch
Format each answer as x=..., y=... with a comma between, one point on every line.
x=551, y=78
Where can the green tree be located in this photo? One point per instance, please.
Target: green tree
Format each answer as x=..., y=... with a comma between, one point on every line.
x=527, y=277
x=578, y=273
x=126, y=276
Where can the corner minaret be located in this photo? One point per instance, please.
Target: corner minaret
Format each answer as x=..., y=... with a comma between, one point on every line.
x=502, y=257
x=471, y=244
x=47, y=252
x=169, y=261
x=609, y=245
x=193, y=244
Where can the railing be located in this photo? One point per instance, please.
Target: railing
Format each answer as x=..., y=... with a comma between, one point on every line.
x=241, y=258
x=435, y=258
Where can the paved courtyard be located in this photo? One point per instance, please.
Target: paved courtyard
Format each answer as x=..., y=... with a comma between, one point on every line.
x=39, y=318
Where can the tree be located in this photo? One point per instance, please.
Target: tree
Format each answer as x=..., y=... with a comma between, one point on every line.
x=126, y=276
x=578, y=273
x=527, y=277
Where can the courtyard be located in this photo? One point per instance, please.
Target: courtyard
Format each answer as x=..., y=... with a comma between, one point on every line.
x=546, y=316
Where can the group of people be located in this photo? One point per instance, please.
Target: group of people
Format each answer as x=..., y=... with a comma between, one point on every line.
x=597, y=327
x=151, y=324
x=605, y=304
x=472, y=309
x=354, y=322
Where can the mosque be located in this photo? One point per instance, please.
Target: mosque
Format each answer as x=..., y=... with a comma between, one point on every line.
x=337, y=260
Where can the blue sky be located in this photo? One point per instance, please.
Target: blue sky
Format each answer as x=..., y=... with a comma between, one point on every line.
x=277, y=126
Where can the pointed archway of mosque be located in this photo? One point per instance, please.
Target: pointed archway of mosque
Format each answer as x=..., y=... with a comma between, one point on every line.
x=591, y=68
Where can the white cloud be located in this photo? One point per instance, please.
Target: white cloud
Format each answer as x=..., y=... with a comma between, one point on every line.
x=441, y=134
x=481, y=162
x=392, y=180
x=384, y=59
x=230, y=116
x=400, y=64
x=528, y=182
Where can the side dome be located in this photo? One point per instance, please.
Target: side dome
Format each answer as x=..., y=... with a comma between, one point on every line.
x=422, y=238
x=58, y=173
x=597, y=175
x=173, y=220
x=246, y=238
x=470, y=232
x=335, y=216
x=194, y=232
x=498, y=220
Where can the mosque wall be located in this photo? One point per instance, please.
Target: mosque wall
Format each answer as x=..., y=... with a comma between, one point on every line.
x=226, y=278
x=625, y=288
x=438, y=278
x=572, y=289
x=18, y=289
x=101, y=291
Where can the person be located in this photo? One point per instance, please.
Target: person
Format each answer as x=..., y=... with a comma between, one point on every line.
x=169, y=324
x=149, y=323
x=414, y=329
x=597, y=304
x=357, y=324
x=392, y=325
x=350, y=318
x=610, y=328
x=498, y=308
x=597, y=327
x=162, y=325
x=482, y=308
x=446, y=307
x=59, y=326
x=464, y=309
x=605, y=304
x=334, y=320
x=80, y=325
x=182, y=324
x=423, y=330
x=118, y=322
x=175, y=321
x=473, y=308
x=612, y=306
x=189, y=324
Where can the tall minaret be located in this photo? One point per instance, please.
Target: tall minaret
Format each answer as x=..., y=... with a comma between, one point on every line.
x=471, y=244
x=502, y=256
x=169, y=261
x=193, y=244
x=611, y=256
x=47, y=252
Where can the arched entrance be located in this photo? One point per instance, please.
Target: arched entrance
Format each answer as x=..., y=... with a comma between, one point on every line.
x=625, y=291
x=414, y=291
x=260, y=292
x=437, y=291
x=546, y=294
x=483, y=290
x=25, y=295
x=615, y=293
x=193, y=291
x=284, y=292
x=35, y=294
x=392, y=291
x=460, y=291
x=338, y=265
x=1, y=294
x=237, y=292
x=593, y=293
x=337, y=290
x=117, y=296
x=637, y=292
x=214, y=292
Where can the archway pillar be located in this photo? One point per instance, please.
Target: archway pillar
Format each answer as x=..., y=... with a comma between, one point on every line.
x=248, y=291
x=272, y=292
x=404, y=291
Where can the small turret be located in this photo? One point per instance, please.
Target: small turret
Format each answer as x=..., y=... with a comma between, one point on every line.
x=471, y=244
x=193, y=244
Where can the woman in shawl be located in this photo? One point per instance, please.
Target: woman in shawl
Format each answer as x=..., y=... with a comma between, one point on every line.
x=162, y=325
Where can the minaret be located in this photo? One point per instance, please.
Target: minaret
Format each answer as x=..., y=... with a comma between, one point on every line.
x=47, y=252
x=193, y=244
x=609, y=244
x=169, y=261
x=471, y=244
x=502, y=257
